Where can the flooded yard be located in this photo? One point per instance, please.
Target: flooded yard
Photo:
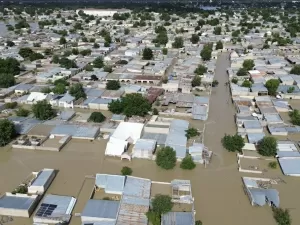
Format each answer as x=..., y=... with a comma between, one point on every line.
x=218, y=190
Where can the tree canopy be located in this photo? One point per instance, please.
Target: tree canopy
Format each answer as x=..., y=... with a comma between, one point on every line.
x=59, y=89
x=42, y=110
x=200, y=70
x=233, y=143
x=77, y=91
x=194, y=39
x=96, y=117
x=98, y=62
x=295, y=117
x=25, y=52
x=22, y=112
x=267, y=146
x=166, y=158
x=130, y=105
x=248, y=64
x=162, y=204
x=187, y=163
x=113, y=85
x=282, y=216
x=295, y=70
x=246, y=83
x=147, y=54
x=217, y=30
x=206, y=52
x=126, y=171
x=272, y=86
x=196, y=81
x=242, y=72
x=178, y=42
x=7, y=131
x=191, y=132
x=219, y=45
x=67, y=63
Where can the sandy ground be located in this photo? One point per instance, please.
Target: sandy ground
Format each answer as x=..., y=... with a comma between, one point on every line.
x=218, y=192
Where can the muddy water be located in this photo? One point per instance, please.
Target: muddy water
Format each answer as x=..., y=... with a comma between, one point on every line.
x=219, y=197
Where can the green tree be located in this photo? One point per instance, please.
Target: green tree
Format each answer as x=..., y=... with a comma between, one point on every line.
x=234, y=80
x=217, y=30
x=22, y=112
x=194, y=39
x=126, y=31
x=282, y=216
x=55, y=59
x=191, y=132
x=35, y=56
x=147, y=54
x=248, y=64
x=75, y=51
x=85, y=52
x=47, y=51
x=126, y=171
x=77, y=91
x=198, y=222
x=67, y=63
x=291, y=90
x=107, y=69
x=295, y=117
x=96, y=45
x=242, y=72
x=187, y=163
x=206, y=52
x=201, y=69
x=166, y=158
x=295, y=70
x=153, y=217
x=219, y=45
x=165, y=51
x=113, y=85
x=25, y=52
x=272, y=86
x=247, y=84
x=10, y=43
x=267, y=146
x=233, y=143
x=59, y=89
x=46, y=90
x=178, y=42
x=9, y=66
x=89, y=68
x=42, y=110
x=7, y=131
x=96, y=117
x=162, y=204
x=62, y=41
x=196, y=81
x=130, y=105
x=272, y=165
x=98, y=62
x=6, y=80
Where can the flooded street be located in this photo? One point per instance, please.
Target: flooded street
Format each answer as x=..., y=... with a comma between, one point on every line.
x=218, y=191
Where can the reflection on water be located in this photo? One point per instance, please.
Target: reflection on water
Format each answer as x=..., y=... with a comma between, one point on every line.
x=3, y=28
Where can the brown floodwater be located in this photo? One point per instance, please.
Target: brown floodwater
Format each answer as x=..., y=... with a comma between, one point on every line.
x=217, y=189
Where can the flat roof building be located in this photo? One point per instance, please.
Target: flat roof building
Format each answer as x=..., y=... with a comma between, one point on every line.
x=19, y=205
x=41, y=182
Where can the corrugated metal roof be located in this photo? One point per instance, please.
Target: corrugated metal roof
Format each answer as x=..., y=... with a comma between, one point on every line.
x=178, y=218
x=76, y=131
x=43, y=177
x=137, y=187
x=110, y=183
x=254, y=138
x=259, y=196
x=160, y=138
x=290, y=166
x=14, y=202
x=101, y=209
x=145, y=145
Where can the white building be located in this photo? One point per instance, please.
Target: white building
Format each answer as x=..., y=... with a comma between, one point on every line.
x=102, y=12
x=41, y=182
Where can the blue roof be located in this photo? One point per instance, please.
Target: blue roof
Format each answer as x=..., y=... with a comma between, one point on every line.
x=260, y=195
x=110, y=183
x=101, y=101
x=254, y=138
x=137, y=187
x=290, y=166
x=75, y=130
x=67, y=98
x=13, y=202
x=282, y=154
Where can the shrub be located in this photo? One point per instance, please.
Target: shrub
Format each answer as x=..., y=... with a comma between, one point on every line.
x=96, y=117
x=267, y=146
x=272, y=165
x=166, y=158
x=162, y=204
x=282, y=216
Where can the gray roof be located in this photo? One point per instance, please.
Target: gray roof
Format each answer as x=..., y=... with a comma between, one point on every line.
x=93, y=92
x=273, y=118
x=110, y=183
x=254, y=138
x=13, y=202
x=258, y=87
x=252, y=124
x=66, y=115
x=62, y=205
x=101, y=209
x=286, y=154
x=76, y=131
x=290, y=166
x=160, y=138
x=137, y=187
x=260, y=195
x=145, y=145
x=24, y=87
x=43, y=177
x=67, y=98
x=178, y=218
